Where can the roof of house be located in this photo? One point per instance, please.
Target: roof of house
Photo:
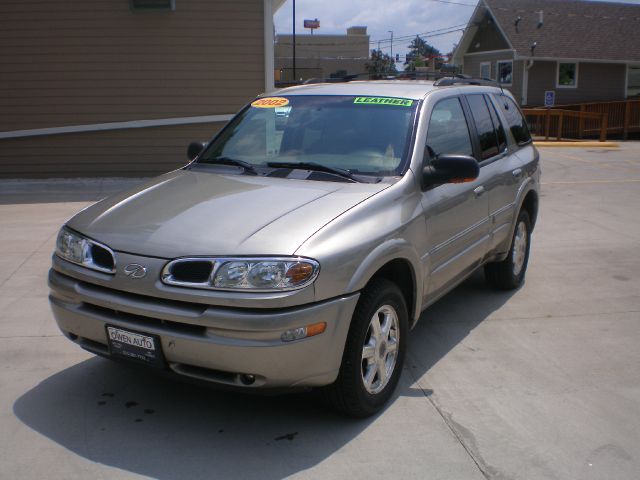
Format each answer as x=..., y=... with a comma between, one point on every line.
x=572, y=29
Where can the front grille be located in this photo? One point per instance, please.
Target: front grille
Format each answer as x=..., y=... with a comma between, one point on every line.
x=142, y=321
x=102, y=257
x=191, y=271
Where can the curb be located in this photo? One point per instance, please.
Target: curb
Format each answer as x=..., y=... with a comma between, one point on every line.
x=577, y=144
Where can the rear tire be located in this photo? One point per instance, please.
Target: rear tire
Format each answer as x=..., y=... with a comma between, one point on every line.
x=374, y=352
x=509, y=274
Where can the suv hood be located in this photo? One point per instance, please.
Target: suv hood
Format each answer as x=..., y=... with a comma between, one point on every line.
x=186, y=213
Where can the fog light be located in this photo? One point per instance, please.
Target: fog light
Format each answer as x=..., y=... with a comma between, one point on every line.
x=303, y=332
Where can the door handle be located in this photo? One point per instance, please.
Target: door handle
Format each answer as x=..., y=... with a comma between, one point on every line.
x=517, y=172
x=478, y=191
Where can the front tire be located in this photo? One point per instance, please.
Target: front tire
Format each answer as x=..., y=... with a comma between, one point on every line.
x=374, y=352
x=509, y=273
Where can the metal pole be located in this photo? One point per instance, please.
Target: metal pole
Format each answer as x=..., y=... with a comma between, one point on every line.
x=295, y=77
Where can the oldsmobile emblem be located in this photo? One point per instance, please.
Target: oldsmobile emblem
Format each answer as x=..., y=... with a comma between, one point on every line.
x=135, y=270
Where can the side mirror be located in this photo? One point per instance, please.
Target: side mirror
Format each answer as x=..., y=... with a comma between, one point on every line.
x=194, y=149
x=450, y=169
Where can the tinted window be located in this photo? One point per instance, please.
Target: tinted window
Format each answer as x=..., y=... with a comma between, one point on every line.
x=448, y=131
x=502, y=137
x=515, y=120
x=484, y=126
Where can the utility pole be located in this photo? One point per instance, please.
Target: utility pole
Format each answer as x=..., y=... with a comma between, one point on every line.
x=295, y=77
x=391, y=32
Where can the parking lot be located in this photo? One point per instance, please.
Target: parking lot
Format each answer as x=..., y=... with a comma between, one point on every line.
x=541, y=383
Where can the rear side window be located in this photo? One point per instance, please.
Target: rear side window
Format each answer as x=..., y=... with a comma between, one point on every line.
x=502, y=137
x=448, y=131
x=515, y=119
x=484, y=125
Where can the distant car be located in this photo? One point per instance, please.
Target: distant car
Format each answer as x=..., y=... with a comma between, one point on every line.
x=303, y=242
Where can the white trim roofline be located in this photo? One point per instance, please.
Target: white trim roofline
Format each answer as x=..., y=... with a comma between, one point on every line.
x=101, y=127
x=571, y=60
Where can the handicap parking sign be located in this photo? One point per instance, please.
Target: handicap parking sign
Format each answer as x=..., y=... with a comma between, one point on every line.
x=549, y=98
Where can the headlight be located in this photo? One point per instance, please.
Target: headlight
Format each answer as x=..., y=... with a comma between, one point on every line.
x=252, y=274
x=82, y=251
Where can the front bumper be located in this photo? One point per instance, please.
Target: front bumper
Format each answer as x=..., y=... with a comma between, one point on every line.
x=217, y=344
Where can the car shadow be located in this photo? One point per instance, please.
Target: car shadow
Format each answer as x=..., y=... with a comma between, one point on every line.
x=155, y=426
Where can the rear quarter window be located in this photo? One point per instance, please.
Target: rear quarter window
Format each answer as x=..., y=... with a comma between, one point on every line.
x=515, y=119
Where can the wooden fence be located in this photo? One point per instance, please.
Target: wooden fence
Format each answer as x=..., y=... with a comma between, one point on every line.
x=585, y=120
x=565, y=124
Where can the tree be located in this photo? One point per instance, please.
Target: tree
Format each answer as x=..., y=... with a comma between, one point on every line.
x=418, y=51
x=380, y=64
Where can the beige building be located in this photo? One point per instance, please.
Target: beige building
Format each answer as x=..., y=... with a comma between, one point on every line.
x=119, y=88
x=321, y=56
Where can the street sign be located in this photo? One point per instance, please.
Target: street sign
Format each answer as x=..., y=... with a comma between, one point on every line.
x=549, y=98
x=312, y=23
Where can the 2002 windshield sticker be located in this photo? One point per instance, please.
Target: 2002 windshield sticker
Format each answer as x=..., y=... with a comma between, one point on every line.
x=396, y=102
x=270, y=102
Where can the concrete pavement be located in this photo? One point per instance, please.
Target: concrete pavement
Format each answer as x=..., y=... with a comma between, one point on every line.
x=538, y=384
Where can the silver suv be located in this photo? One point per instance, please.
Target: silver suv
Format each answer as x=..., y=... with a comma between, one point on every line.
x=302, y=243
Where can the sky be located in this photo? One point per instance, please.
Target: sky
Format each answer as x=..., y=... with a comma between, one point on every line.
x=405, y=18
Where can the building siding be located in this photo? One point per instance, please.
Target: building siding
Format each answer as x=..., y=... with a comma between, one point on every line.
x=472, y=67
x=487, y=37
x=597, y=82
x=83, y=62
x=116, y=153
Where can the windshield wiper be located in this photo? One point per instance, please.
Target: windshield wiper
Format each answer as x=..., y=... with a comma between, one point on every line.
x=234, y=162
x=315, y=167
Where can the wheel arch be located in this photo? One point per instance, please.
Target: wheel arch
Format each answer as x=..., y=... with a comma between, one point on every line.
x=397, y=262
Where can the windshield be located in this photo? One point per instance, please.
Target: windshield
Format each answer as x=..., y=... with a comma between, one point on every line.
x=360, y=135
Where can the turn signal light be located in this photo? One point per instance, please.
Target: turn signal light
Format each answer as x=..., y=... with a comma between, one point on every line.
x=303, y=332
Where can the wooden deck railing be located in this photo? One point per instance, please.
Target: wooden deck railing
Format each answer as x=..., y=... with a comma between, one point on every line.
x=616, y=118
x=623, y=117
x=565, y=124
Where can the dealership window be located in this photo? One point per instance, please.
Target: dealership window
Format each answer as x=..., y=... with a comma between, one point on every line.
x=505, y=72
x=485, y=70
x=567, y=75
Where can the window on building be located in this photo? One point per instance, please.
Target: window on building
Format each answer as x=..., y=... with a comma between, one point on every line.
x=567, y=75
x=484, y=125
x=448, y=132
x=515, y=119
x=505, y=72
x=485, y=70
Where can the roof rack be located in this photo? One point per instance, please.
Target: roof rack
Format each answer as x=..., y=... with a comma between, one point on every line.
x=462, y=79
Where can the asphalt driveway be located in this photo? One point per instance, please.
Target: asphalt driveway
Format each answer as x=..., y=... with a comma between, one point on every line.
x=542, y=383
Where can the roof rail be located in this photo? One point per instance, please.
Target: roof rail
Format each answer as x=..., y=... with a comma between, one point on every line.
x=462, y=79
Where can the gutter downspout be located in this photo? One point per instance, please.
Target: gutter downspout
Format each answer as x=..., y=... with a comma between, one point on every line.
x=525, y=81
x=269, y=60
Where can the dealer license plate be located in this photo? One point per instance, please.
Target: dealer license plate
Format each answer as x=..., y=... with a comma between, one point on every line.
x=136, y=346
